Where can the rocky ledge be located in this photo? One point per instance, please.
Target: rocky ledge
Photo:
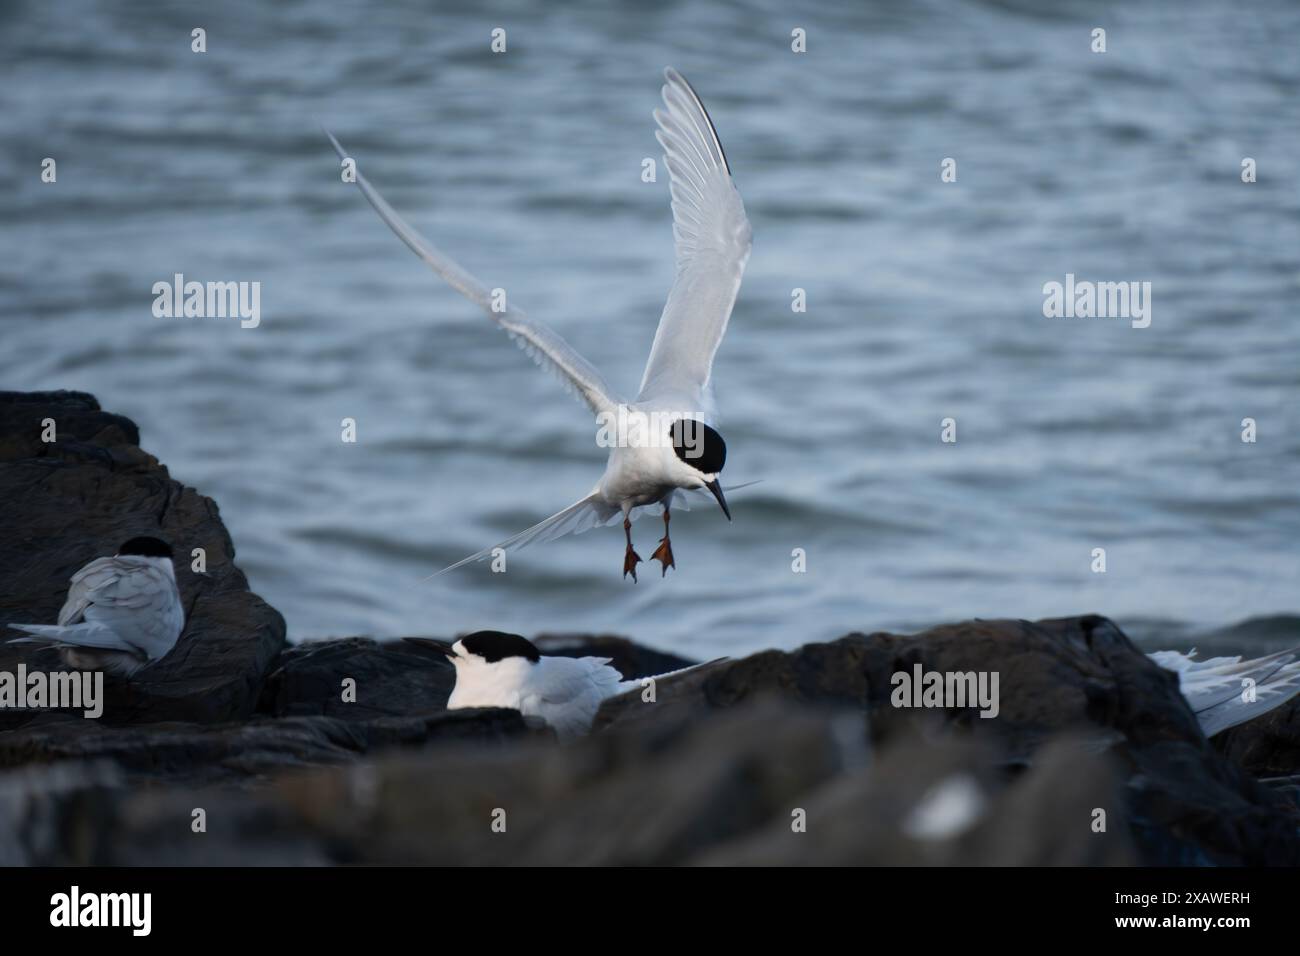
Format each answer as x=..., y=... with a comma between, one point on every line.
x=238, y=749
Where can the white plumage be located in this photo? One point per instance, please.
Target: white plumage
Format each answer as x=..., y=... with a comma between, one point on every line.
x=565, y=692
x=712, y=240
x=495, y=669
x=712, y=244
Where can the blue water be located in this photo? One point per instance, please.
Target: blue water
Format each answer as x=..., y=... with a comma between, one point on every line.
x=924, y=299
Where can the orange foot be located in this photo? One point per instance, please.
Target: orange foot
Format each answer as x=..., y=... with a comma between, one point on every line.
x=664, y=554
x=630, y=560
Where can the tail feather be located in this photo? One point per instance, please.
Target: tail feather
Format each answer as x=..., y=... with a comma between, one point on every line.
x=77, y=635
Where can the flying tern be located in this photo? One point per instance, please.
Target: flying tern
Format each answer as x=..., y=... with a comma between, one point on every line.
x=663, y=442
x=122, y=613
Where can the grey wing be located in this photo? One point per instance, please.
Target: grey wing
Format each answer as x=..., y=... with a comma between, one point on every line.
x=1226, y=691
x=539, y=340
x=138, y=602
x=82, y=586
x=575, y=688
x=712, y=237
x=590, y=512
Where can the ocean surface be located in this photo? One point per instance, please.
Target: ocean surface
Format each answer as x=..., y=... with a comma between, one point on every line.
x=924, y=301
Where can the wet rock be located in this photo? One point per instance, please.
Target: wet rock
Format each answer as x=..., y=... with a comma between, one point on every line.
x=66, y=502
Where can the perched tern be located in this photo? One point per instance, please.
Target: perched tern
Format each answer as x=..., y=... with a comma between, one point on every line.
x=122, y=613
x=663, y=442
x=495, y=669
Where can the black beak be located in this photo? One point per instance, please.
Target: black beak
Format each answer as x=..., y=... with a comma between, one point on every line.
x=716, y=488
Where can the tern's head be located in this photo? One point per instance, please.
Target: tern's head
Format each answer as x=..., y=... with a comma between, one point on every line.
x=492, y=647
x=146, y=548
x=701, y=448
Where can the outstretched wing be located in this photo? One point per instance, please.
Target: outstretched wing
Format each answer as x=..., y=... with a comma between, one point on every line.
x=539, y=340
x=590, y=512
x=712, y=237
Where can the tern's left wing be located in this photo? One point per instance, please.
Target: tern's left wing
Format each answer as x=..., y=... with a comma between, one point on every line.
x=539, y=340
x=712, y=237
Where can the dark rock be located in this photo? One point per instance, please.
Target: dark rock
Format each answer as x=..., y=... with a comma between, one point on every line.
x=1051, y=678
x=938, y=803
x=710, y=772
x=392, y=679
x=652, y=795
x=1267, y=746
x=1186, y=804
x=65, y=503
x=724, y=791
x=194, y=753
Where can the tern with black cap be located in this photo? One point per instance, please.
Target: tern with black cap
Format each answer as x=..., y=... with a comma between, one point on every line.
x=122, y=613
x=664, y=447
x=497, y=669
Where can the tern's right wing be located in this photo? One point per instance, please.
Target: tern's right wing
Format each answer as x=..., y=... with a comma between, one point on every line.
x=590, y=512
x=539, y=340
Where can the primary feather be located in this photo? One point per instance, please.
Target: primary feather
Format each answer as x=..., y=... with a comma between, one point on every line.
x=712, y=242
x=1226, y=691
x=546, y=346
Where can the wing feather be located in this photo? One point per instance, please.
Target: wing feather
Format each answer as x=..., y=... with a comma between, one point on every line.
x=542, y=343
x=1215, y=688
x=712, y=238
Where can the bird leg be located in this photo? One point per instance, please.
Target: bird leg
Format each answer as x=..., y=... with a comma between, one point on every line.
x=630, y=559
x=664, y=553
